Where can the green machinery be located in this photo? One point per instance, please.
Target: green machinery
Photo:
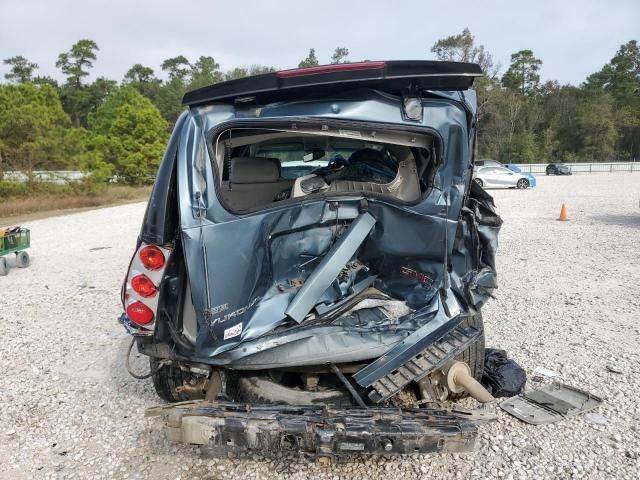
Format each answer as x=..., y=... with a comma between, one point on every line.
x=14, y=240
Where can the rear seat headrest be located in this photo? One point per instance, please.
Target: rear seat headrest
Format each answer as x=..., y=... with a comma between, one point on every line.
x=254, y=170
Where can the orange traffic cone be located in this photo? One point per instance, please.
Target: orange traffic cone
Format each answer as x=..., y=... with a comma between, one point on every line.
x=563, y=214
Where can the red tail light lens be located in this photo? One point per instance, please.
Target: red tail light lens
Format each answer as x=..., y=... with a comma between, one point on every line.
x=152, y=257
x=138, y=312
x=143, y=286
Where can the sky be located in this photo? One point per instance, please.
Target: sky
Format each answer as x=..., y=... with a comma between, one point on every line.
x=573, y=38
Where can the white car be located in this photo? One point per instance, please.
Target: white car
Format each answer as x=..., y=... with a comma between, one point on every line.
x=500, y=177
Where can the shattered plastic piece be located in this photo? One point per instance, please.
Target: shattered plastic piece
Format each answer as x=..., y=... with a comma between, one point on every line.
x=596, y=418
x=550, y=404
x=502, y=377
x=482, y=414
x=545, y=372
x=614, y=369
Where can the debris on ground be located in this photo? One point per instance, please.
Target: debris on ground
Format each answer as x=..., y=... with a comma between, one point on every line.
x=544, y=372
x=550, y=404
x=596, y=418
x=614, y=369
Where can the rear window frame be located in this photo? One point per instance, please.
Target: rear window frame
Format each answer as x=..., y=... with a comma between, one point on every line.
x=286, y=124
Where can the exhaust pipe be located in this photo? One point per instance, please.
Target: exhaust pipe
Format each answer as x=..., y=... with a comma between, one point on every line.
x=459, y=379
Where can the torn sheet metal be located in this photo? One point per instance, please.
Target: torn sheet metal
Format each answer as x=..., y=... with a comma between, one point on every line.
x=319, y=431
x=329, y=267
x=550, y=404
x=473, y=275
x=366, y=333
x=412, y=345
x=245, y=271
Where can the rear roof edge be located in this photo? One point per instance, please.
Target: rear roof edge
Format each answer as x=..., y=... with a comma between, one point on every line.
x=391, y=76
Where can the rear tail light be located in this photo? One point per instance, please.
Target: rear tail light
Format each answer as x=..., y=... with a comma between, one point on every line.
x=139, y=313
x=140, y=291
x=143, y=286
x=152, y=257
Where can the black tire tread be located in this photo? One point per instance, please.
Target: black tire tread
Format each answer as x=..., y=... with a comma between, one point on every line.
x=165, y=381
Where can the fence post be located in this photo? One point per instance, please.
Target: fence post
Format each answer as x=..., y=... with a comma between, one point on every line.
x=589, y=167
x=610, y=167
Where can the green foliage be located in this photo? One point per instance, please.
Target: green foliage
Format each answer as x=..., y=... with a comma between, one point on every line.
x=143, y=79
x=76, y=62
x=46, y=80
x=33, y=128
x=130, y=135
x=462, y=48
x=620, y=78
x=169, y=100
x=204, y=72
x=310, y=61
x=260, y=69
x=241, y=72
x=13, y=189
x=340, y=55
x=80, y=100
x=21, y=69
x=177, y=67
x=523, y=73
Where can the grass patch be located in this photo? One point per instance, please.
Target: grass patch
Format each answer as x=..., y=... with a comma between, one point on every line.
x=40, y=204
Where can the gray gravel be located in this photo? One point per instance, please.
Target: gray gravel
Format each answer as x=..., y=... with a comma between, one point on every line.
x=569, y=300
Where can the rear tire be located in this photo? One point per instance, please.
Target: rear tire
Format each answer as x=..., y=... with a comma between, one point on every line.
x=166, y=379
x=4, y=268
x=479, y=182
x=22, y=259
x=474, y=354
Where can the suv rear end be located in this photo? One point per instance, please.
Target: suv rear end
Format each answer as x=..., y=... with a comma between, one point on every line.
x=313, y=238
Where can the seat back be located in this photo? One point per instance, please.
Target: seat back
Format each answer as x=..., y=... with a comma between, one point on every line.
x=253, y=181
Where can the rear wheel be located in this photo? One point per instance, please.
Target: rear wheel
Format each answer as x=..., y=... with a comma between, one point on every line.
x=22, y=259
x=166, y=378
x=4, y=268
x=474, y=354
x=479, y=182
x=522, y=184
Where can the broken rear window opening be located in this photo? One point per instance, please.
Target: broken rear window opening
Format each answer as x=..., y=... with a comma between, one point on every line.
x=261, y=167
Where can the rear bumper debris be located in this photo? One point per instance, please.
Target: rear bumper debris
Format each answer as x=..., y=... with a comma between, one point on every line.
x=319, y=431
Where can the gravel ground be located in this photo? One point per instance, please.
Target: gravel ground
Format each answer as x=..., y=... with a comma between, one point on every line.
x=568, y=300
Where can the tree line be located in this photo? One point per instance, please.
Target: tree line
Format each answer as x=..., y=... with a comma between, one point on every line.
x=119, y=129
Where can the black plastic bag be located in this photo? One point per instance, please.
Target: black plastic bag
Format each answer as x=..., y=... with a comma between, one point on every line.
x=502, y=377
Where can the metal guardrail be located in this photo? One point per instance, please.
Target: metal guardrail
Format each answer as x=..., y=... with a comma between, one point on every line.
x=59, y=177
x=605, y=167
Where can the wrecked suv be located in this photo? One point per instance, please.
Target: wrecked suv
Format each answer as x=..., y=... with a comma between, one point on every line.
x=313, y=261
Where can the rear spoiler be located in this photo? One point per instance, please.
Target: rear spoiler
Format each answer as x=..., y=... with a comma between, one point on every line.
x=320, y=81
